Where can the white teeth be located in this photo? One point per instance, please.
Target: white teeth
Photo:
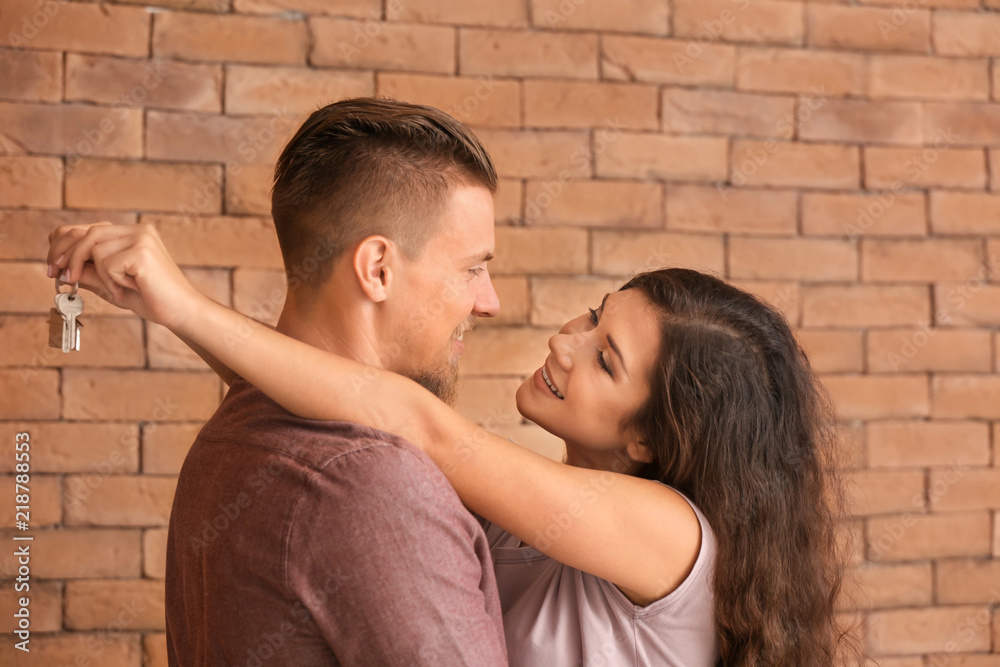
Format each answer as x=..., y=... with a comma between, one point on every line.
x=545, y=376
x=461, y=336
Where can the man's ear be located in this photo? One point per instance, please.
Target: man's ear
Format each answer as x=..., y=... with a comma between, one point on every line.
x=372, y=267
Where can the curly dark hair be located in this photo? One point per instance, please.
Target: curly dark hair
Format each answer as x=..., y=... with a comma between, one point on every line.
x=737, y=421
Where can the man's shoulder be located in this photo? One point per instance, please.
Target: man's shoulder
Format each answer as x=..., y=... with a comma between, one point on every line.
x=247, y=417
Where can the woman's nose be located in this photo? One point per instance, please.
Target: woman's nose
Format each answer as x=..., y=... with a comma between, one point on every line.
x=564, y=347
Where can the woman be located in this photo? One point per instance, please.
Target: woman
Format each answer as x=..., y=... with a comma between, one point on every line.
x=691, y=523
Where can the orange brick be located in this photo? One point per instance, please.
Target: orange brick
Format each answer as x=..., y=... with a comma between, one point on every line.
x=489, y=401
x=248, y=189
x=964, y=212
x=375, y=45
x=800, y=71
x=32, y=76
x=740, y=210
x=168, y=351
x=851, y=540
x=876, y=214
x=884, y=492
x=903, y=585
x=995, y=153
x=356, y=8
x=967, y=581
x=792, y=259
x=514, y=297
x=626, y=16
x=26, y=288
x=782, y=295
x=832, y=351
x=108, y=341
x=864, y=306
x=165, y=84
x=81, y=553
x=45, y=508
x=119, y=500
x=584, y=105
x=125, y=395
x=260, y=293
x=24, y=233
x=508, y=202
x=917, y=537
x=786, y=164
x=164, y=446
x=31, y=181
x=555, y=301
x=517, y=53
x=76, y=647
x=230, y=37
x=656, y=156
x=764, y=21
x=503, y=13
x=967, y=33
x=195, y=241
x=594, y=203
x=70, y=447
x=901, y=444
x=72, y=129
x=964, y=488
x=849, y=453
x=154, y=553
x=505, y=350
x=929, y=630
x=273, y=90
x=210, y=138
x=485, y=101
x=726, y=112
x=868, y=28
x=146, y=186
x=535, y=154
x=961, y=123
x=30, y=393
x=154, y=647
x=624, y=254
x=545, y=251
x=878, y=396
x=77, y=27
x=928, y=78
x=929, y=167
x=136, y=604
x=921, y=261
x=966, y=397
x=860, y=121
x=667, y=61
x=44, y=607
x=926, y=349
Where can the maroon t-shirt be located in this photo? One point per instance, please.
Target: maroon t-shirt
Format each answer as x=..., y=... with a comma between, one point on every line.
x=300, y=542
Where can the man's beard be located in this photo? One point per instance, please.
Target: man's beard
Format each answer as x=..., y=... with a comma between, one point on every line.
x=443, y=383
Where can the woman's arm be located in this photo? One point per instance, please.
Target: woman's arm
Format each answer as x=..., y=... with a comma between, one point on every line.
x=633, y=532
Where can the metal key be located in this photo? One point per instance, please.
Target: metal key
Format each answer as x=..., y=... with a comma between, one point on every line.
x=70, y=306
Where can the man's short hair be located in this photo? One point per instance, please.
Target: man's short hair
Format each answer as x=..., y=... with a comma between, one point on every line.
x=367, y=166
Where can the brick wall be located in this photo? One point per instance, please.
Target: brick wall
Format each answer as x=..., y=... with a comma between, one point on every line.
x=842, y=160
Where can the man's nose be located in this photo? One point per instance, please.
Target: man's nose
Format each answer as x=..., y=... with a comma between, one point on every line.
x=487, y=302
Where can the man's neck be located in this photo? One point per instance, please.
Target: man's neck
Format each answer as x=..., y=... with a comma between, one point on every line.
x=333, y=330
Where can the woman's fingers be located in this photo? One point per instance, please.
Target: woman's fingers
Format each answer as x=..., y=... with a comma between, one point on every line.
x=72, y=246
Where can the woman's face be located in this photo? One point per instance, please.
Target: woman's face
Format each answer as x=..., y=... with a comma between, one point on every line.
x=596, y=376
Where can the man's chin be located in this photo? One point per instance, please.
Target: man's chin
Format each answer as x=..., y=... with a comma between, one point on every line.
x=442, y=383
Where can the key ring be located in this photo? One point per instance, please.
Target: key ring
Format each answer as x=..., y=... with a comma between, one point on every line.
x=72, y=295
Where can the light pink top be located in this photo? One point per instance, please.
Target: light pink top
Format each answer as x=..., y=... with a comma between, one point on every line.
x=555, y=615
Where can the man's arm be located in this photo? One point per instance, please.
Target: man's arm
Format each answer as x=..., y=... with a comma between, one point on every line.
x=391, y=567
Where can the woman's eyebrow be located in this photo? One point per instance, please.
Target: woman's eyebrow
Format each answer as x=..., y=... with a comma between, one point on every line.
x=611, y=341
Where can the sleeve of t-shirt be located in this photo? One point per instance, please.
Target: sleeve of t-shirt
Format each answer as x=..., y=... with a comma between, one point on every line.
x=391, y=566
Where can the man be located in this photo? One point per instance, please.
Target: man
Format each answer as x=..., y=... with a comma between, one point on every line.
x=303, y=543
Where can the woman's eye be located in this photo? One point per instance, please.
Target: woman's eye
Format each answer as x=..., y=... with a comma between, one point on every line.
x=593, y=316
x=604, y=365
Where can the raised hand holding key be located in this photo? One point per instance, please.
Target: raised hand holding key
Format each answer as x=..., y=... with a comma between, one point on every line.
x=64, y=327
